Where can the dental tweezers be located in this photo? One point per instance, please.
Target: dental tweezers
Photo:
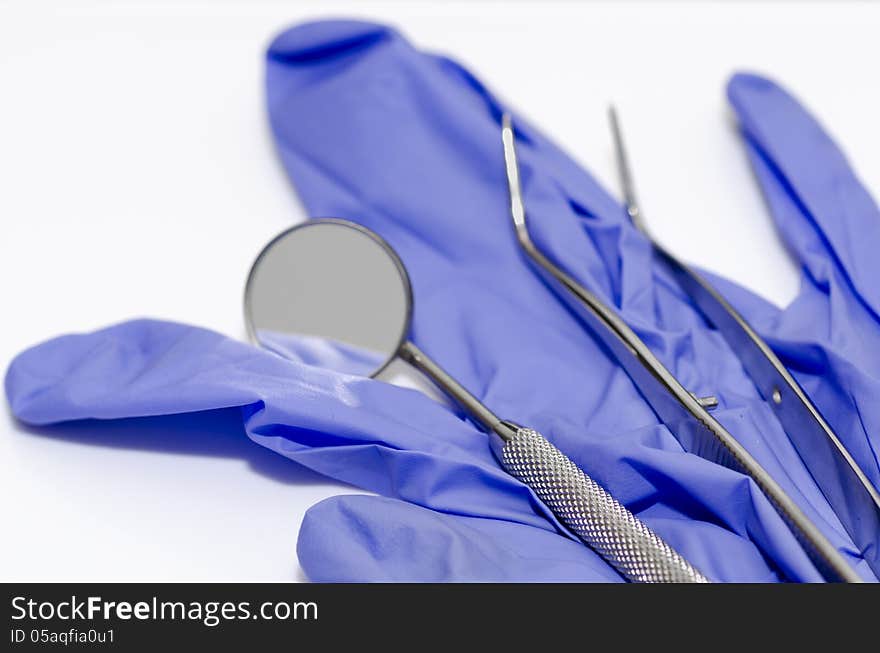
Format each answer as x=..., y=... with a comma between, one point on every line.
x=850, y=494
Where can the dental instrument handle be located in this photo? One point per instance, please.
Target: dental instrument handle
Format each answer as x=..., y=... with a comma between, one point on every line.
x=585, y=508
x=581, y=504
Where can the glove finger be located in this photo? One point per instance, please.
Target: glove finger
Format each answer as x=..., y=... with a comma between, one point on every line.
x=808, y=181
x=830, y=335
x=374, y=539
x=367, y=433
x=134, y=369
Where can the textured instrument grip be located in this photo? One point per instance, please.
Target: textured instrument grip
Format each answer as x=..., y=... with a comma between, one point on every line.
x=602, y=523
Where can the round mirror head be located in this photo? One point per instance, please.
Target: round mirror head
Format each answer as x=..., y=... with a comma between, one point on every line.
x=330, y=293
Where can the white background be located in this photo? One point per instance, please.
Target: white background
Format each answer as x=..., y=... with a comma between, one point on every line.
x=138, y=178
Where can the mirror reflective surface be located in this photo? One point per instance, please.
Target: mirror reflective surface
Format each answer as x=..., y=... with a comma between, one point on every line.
x=329, y=293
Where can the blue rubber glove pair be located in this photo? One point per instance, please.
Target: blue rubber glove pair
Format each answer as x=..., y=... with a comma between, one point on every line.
x=408, y=144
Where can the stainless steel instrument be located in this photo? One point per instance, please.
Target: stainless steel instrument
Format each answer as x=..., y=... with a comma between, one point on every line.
x=287, y=313
x=687, y=416
x=846, y=487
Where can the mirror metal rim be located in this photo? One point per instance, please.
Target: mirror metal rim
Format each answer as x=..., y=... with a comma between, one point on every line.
x=341, y=222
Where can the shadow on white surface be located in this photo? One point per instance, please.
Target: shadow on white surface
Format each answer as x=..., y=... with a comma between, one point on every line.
x=215, y=433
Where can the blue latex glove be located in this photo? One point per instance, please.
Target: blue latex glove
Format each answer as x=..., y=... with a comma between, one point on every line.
x=408, y=144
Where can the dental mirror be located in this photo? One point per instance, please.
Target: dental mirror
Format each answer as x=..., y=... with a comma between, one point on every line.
x=329, y=293
x=334, y=294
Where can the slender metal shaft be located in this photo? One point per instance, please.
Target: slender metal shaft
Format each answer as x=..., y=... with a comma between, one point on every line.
x=477, y=409
x=623, y=169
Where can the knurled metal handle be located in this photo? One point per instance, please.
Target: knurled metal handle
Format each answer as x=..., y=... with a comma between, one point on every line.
x=600, y=521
